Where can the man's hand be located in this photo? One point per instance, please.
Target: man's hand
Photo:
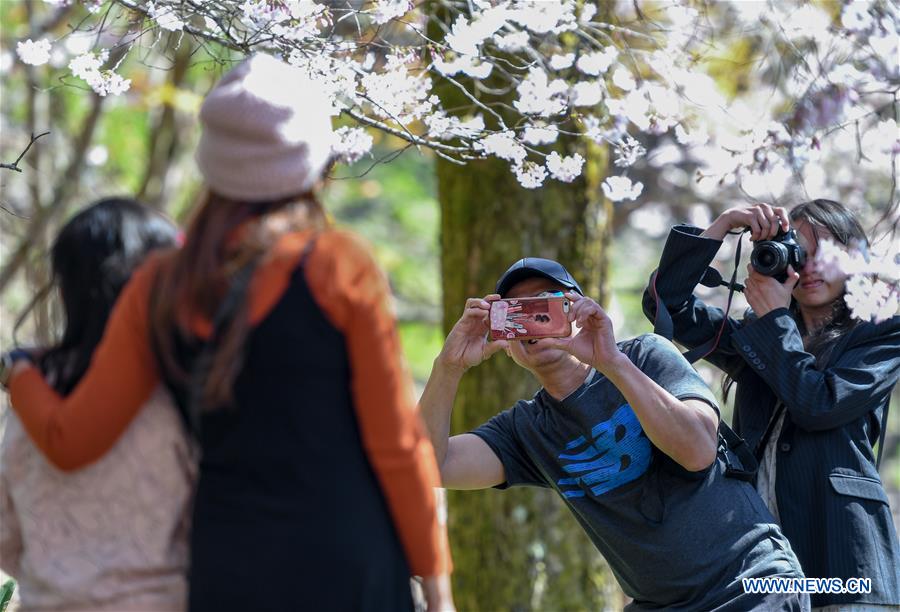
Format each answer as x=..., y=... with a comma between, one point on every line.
x=467, y=344
x=465, y=461
x=765, y=294
x=595, y=344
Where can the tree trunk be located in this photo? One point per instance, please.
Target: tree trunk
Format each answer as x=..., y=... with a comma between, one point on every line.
x=520, y=549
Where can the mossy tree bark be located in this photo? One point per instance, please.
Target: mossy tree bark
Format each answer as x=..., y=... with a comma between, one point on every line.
x=519, y=549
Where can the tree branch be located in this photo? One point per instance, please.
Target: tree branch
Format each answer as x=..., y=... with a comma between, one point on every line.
x=15, y=165
x=164, y=137
x=230, y=42
x=405, y=135
x=66, y=184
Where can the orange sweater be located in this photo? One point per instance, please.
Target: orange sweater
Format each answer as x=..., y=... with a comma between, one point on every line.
x=353, y=293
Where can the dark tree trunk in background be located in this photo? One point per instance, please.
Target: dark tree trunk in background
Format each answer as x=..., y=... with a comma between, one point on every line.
x=519, y=549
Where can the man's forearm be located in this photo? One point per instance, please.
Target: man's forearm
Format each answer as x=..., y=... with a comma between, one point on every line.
x=436, y=404
x=682, y=431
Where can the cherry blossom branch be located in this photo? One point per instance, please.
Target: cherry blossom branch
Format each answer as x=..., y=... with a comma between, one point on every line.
x=369, y=55
x=405, y=135
x=228, y=43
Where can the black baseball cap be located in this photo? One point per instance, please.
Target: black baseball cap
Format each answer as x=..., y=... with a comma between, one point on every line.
x=529, y=267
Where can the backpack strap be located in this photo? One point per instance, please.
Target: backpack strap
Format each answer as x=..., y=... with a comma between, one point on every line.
x=739, y=460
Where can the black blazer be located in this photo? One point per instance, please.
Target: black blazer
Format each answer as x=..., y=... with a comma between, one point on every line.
x=833, y=507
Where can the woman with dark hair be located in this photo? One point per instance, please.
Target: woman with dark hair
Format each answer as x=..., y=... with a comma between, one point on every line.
x=113, y=536
x=275, y=334
x=812, y=386
x=92, y=259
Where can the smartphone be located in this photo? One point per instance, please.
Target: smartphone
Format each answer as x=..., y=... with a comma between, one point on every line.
x=530, y=318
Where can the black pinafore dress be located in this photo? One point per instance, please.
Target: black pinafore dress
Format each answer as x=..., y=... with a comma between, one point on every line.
x=288, y=512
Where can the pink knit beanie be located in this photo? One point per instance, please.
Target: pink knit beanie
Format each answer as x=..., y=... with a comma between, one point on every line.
x=266, y=132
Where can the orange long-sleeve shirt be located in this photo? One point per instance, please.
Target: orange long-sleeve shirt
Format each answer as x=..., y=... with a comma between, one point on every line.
x=353, y=293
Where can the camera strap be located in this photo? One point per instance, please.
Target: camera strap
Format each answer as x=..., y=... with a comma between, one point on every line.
x=740, y=462
x=663, y=324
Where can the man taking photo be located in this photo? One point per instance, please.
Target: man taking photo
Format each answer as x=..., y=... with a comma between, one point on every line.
x=626, y=434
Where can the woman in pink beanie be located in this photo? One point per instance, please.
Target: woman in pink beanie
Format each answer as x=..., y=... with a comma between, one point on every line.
x=274, y=332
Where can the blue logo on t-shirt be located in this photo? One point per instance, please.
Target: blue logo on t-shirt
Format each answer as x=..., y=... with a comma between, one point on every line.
x=617, y=453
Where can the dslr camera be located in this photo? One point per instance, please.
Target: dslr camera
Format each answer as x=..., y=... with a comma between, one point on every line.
x=772, y=257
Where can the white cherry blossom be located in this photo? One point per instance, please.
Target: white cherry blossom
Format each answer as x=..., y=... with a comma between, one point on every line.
x=561, y=62
x=540, y=96
x=530, y=174
x=822, y=122
x=466, y=36
x=565, y=169
x=594, y=63
x=540, y=134
x=398, y=95
x=871, y=299
x=696, y=137
x=34, y=53
x=618, y=188
x=504, y=146
x=588, y=10
x=84, y=66
x=385, y=10
x=514, y=41
x=352, y=143
x=165, y=17
x=587, y=93
x=543, y=17
x=466, y=64
x=623, y=79
x=628, y=150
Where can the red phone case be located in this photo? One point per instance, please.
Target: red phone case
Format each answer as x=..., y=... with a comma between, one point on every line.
x=530, y=318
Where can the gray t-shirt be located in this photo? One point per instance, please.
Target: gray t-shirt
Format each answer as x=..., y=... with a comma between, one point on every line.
x=673, y=538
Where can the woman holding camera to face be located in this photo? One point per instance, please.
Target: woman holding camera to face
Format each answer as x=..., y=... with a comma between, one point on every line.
x=274, y=333
x=812, y=385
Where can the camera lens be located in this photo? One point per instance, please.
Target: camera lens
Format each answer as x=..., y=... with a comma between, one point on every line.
x=769, y=258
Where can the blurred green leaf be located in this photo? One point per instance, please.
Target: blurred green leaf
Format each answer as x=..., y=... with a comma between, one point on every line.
x=6, y=593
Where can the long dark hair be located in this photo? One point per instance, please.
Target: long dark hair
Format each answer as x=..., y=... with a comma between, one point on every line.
x=223, y=235
x=843, y=225
x=92, y=259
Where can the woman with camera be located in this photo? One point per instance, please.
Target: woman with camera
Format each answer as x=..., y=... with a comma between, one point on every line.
x=812, y=386
x=275, y=334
